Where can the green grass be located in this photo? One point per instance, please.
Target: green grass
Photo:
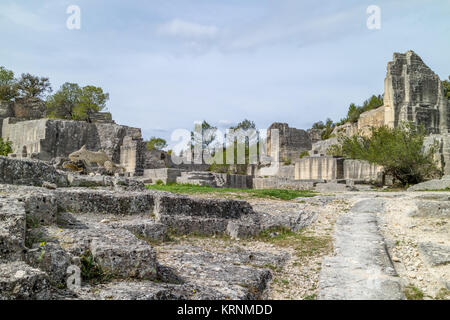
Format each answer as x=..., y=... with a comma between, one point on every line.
x=413, y=293
x=254, y=193
x=304, y=244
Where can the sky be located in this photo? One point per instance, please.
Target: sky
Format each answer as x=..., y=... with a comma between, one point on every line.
x=169, y=63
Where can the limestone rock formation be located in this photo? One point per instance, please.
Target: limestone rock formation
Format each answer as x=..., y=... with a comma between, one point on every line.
x=413, y=92
x=292, y=141
x=47, y=139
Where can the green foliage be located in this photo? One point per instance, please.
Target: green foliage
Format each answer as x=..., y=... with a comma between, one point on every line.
x=413, y=293
x=245, y=125
x=446, y=85
x=30, y=86
x=255, y=193
x=5, y=147
x=159, y=182
x=90, y=269
x=304, y=154
x=237, y=168
x=304, y=244
x=61, y=104
x=328, y=129
x=156, y=143
x=8, y=85
x=286, y=161
x=399, y=151
x=92, y=100
x=76, y=103
x=355, y=111
x=319, y=125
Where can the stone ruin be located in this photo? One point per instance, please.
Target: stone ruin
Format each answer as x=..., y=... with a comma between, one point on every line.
x=413, y=93
x=292, y=142
x=45, y=233
x=53, y=219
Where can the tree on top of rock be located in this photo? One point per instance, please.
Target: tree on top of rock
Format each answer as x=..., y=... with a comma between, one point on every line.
x=156, y=144
x=8, y=85
x=77, y=103
x=446, y=85
x=30, y=86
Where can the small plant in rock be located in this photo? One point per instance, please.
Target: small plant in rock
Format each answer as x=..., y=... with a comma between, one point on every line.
x=159, y=182
x=304, y=154
x=42, y=246
x=413, y=293
x=91, y=271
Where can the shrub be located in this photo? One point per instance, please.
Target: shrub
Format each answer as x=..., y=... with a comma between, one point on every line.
x=399, y=150
x=5, y=147
x=304, y=154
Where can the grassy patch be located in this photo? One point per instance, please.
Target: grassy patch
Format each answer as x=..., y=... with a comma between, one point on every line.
x=304, y=244
x=254, y=193
x=413, y=293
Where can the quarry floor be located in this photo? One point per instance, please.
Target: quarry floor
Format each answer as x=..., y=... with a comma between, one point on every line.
x=344, y=245
x=405, y=229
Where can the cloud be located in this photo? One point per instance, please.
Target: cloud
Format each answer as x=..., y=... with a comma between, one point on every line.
x=19, y=16
x=184, y=29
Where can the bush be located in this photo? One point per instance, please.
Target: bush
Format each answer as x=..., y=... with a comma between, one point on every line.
x=5, y=147
x=286, y=161
x=400, y=151
x=304, y=154
x=159, y=182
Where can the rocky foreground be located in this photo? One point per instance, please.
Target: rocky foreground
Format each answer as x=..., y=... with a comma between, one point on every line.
x=68, y=236
x=156, y=245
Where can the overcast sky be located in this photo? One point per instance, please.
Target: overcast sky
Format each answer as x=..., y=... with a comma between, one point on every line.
x=169, y=63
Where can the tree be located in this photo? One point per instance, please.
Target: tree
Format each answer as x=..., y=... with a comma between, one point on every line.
x=92, y=100
x=76, y=103
x=319, y=125
x=355, y=111
x=8, y=85
x=156, y=144
x=61, y=104
x=328, y=129
x=446, y=85
x=30, y=86
x=245, y=125
x=399, y=150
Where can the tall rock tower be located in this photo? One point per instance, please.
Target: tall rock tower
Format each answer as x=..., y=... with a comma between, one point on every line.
x=413, y=92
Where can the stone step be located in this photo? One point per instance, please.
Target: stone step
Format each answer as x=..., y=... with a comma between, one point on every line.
x=19, y=281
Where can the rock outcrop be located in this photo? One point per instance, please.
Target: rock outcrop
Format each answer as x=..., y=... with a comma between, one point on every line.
x=292, y=142
x=413, y=92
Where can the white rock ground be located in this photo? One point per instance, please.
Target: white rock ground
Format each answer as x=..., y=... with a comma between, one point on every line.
x=357, y=245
